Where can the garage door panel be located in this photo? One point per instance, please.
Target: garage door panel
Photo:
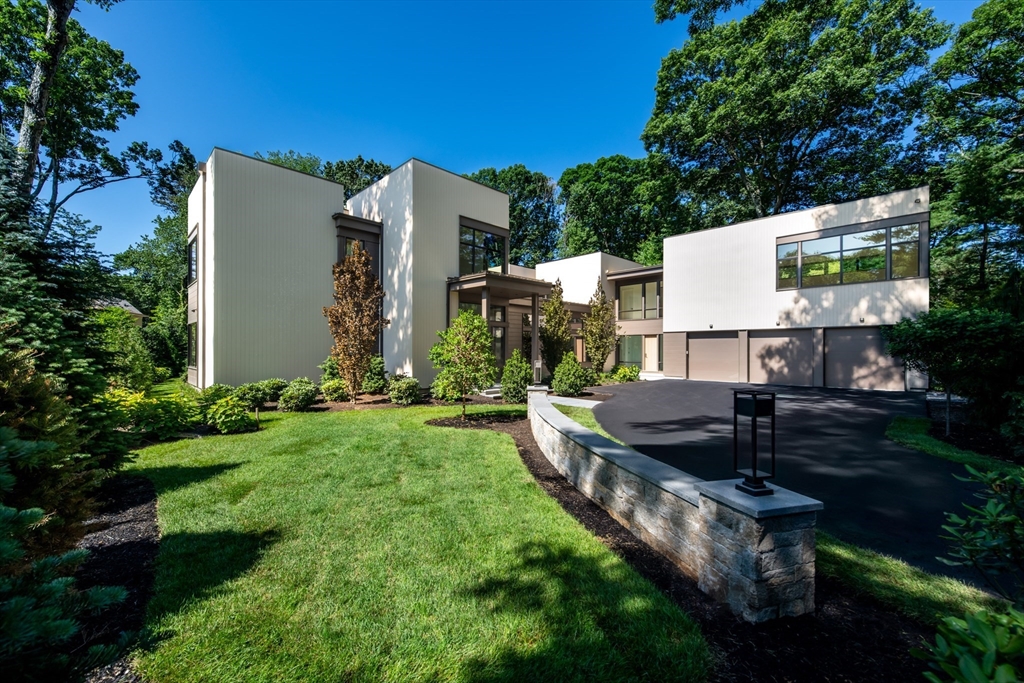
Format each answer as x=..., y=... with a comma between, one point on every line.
x=781, y=357
x=855, y=359
x=714, y=356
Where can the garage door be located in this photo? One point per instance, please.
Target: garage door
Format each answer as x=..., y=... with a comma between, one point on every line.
x=715, y=356
x=855, y=359
x=781, y=357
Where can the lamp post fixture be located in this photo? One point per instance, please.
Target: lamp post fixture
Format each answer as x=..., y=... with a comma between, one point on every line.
x=536, y=372
x=752, y=404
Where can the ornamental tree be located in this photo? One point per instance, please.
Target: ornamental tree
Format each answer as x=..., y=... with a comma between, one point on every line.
x=599, y=328
x=555, y=335
x=356, y=318
x=465, y=358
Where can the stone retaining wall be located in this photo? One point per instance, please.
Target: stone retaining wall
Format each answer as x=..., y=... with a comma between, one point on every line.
x=756, y=554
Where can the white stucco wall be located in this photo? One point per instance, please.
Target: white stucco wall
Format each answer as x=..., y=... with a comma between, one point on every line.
x=271, y=242
x=579, y=274
x=726, y=277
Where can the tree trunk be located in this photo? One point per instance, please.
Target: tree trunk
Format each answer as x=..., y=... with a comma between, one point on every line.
x=982, y=284
x=463, y=406
x=33, y=120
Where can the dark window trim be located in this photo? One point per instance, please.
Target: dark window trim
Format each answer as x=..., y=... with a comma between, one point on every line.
x=886, y=223
x=193, y=260
x=475, y=248
x=467, y=222
x=660, y=295
x=193, y=345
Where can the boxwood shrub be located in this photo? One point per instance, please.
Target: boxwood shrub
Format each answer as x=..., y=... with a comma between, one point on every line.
x=570, y=377
x=405, y=391
x=515, y=378
x=335, y=390
x=274, y=388
x=299, y=395
x=376, y=379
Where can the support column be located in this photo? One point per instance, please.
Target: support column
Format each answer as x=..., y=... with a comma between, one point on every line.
x=453, y=307
x=744, y=345
x=485, y=303
x=535, y=337
x=818, y=371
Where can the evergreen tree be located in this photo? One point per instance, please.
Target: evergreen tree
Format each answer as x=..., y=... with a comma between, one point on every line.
x=599, y=328
x=555, y=335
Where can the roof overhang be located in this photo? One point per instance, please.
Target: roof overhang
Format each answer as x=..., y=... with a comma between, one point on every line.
x=500, y=285
x=350, y=222
x=631, y=273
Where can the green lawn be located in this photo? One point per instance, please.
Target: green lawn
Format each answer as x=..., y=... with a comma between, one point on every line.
x=366, y=545
x=912, y=432
x=585, y=417
x=169, y=388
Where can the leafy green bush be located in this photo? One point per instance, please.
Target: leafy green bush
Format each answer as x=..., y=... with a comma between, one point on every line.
x=253, y=396
x=991, y=538
x=980, y=647
x=159, y=418
x=376, y=379
x=330, y=369
x=274, y=388
x=131, y=365
x=39, y=605
x=211, y=394
x=465, y=357
x=405, y=391
x=1013, y=428
x=334, y=390
x=298, y=396
x=515, y=378
x=230, y=416
x=570, y=377
x=625, y=373
x=162, y=374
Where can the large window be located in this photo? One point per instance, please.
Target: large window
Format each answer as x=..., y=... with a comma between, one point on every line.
x=193, y=272
x=866, y=256
x=480, y=251
x=193, y=344
x=640, y=301
x=498, y=342
x=631, y=350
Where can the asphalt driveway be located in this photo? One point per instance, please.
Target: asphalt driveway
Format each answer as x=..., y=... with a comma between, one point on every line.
x=831, y=446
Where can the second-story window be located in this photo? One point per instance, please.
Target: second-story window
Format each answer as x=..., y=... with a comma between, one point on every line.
x=480, y=251
x=641, y=301
x=193, y=268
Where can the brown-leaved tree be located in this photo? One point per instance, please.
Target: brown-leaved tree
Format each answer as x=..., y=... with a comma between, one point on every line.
x=356, y=318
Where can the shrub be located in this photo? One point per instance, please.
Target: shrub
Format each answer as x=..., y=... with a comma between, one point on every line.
x=334, y=390
x=375, y=381
x=465, y=357
x=274, y=388
x=211, y=394
x=159, y=418
x=405, y=391
x=253, y=396
x=1013, y=428
x=162, y=374
x=298, y=396
x=230, y=416
x=979, y=647
x=570, y=377
x=515, y=379
x=131, y=366
x=330, y=369
x=626, y=373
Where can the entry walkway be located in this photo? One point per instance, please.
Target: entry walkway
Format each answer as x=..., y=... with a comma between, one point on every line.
x=831, y=446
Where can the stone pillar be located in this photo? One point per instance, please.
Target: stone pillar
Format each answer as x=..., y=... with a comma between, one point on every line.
x=757, y=552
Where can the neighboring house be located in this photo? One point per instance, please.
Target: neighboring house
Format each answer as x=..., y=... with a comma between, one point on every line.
x=793, y=299
x=136, y=314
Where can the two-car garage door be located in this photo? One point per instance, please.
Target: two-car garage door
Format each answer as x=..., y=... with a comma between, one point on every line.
x=853, y=358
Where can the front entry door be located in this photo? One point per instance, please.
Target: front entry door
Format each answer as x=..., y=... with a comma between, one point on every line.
x=651, y=353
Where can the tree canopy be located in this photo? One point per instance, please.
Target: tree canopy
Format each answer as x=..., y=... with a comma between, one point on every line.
x=354, y=174
x=533, y=211
x=801, y=102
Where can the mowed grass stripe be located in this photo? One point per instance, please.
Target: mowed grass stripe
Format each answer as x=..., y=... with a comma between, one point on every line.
x=366, y=545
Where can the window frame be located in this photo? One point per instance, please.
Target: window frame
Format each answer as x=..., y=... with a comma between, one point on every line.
x=192, y=275
x=478, y=246
x=659, y=295
x=887, y=224
x=193, y=345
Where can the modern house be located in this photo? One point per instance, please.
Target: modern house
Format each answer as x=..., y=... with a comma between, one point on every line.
x=794, y=299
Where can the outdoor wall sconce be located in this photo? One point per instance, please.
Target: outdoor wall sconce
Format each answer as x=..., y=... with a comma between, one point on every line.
x=752, y=404
x=711, y=327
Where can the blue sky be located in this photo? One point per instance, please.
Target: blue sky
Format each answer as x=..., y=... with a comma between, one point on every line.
x=463, y=85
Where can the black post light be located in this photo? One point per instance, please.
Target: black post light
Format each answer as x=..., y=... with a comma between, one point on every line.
x=753, y=404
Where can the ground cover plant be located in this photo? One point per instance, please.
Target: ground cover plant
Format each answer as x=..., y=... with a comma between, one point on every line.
x=409, y=552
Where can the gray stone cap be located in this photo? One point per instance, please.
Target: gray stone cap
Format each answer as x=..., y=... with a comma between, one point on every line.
x=665, y=477
x=783, y=502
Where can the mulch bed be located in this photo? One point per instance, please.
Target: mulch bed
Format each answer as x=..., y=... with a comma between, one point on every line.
x=848, y=638
x=123, y=540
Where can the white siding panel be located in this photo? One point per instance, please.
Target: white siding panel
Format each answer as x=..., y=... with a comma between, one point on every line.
x=275, y=246
x=725, y=277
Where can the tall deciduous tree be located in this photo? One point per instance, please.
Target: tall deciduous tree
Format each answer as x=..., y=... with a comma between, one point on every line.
x=599, y=328
x=617, y=203
x=801, y=102
x=465, y=358
x=533, y=212
x=976, y=124
x=355, y=318
x=555, y=334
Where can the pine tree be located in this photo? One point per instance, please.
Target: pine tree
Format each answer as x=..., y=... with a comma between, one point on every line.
x=355, y=318
x=599, y=328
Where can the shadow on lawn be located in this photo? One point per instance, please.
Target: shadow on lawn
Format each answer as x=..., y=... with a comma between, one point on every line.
x=598, y=622
x=173, y=477
x=194, y=566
